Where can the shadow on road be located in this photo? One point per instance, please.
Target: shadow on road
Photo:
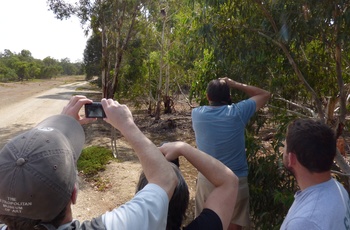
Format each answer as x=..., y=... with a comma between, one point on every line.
x=11, y=131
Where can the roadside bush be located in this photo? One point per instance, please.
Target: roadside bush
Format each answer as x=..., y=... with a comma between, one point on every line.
x=7, y=74
x=93, y=159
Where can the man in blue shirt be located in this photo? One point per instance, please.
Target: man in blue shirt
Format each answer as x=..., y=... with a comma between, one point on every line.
x=219, y=129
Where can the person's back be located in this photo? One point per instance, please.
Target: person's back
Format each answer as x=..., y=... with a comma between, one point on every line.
x=220, y=131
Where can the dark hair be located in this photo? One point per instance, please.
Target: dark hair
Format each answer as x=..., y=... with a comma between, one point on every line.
x=22, y=223
x=178, y=203
x=218, y=92
x=313, y=143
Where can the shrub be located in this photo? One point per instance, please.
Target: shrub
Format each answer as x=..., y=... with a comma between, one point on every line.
x=271, y=186
x=93, y=159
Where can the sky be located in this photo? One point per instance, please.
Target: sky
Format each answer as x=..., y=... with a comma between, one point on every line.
x=29, y=25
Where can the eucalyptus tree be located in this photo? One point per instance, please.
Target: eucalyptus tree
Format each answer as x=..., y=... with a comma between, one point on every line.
x=93, y=56
x=20, y=66
x=115, y=22
x=172, y=26
x=51, y=68
x=305, y=39
x=313, y=36
x=6, y=73
x=68, y=68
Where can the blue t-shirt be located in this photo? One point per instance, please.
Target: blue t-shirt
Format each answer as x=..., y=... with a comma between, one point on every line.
x=323, y=206
x=219, y=132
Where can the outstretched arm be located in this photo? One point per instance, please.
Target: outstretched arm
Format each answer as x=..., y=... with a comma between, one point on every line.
x=260, y=96
x=155, y=166
x=223, y=198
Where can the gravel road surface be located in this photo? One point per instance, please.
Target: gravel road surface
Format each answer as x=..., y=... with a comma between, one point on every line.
x=19, y=115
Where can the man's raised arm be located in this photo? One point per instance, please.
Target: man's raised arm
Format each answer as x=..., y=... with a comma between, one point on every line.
x=223, y=198
x=155, y=166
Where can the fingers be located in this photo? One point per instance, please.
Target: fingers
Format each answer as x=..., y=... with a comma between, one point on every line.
x=85, y=120
x=169, y=150
x=112, y=102
x=107, y=107
x=73, y=107
x=108, y=102
x=118, y=115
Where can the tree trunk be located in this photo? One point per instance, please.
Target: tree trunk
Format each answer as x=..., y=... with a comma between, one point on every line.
x=105, y=69
x=159, y=91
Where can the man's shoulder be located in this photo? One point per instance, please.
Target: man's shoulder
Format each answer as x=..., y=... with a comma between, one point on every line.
x=323, y=205
x=195, y=109
x=94, y=224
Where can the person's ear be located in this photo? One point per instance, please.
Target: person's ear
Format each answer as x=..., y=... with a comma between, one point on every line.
x=74, y=195
x=292, y=159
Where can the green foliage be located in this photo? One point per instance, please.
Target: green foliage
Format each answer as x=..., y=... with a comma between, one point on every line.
x=6, y=73
x=271, y=187
x=205, y=71
x=132, y=80
x=93, y=56
x=51, y=68
x=23, y=66
x=93, y=159
x=69, y=68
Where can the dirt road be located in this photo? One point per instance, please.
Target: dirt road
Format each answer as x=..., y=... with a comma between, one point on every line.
x=17, y=114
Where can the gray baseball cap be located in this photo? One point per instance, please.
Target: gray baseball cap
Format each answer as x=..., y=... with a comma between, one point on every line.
x=38, y=169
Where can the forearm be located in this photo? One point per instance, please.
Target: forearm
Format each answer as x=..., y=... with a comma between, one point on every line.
x=223, y=197
x=215, y=171
x=155, y=166
x=251, y=91
x=260, y=96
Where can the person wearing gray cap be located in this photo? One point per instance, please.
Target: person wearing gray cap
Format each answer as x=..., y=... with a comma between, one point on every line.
x=38, y=175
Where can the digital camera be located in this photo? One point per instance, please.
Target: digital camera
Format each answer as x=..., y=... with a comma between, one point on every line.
x=94, y=110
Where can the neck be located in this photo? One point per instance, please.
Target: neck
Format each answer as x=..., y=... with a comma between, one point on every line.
x=68, y=217
x=307, y=179
x=217, y=103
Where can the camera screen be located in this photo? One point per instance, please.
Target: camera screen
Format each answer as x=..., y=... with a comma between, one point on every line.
x=94, y=110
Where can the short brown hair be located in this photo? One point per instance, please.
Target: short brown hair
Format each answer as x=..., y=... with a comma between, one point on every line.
x=313, y=143
x=219, y=92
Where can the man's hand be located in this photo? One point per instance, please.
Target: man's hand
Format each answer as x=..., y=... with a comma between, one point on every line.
x=259, y=95
x=118, y=115
x=172, y=150
x=228, y=81
x=73, y=107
